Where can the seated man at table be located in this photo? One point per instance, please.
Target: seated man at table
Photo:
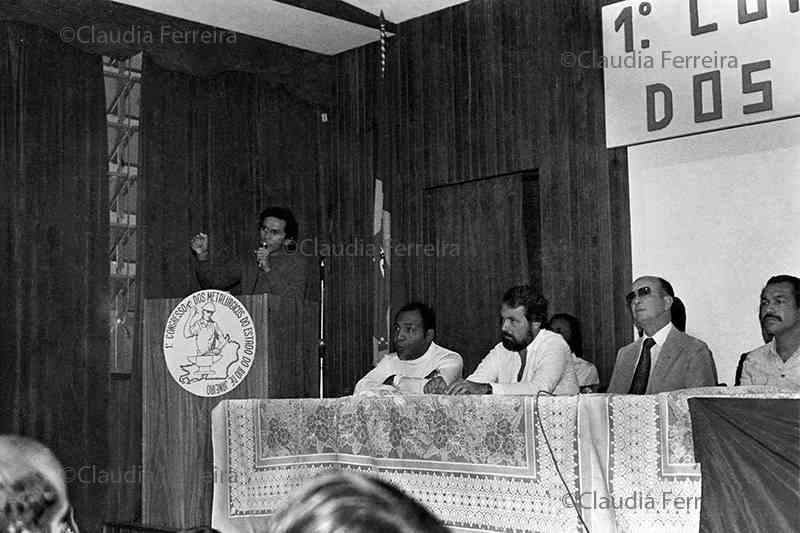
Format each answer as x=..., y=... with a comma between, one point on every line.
x=529, y=358
x=418, y=365
x=778, y=361
x=678, y=361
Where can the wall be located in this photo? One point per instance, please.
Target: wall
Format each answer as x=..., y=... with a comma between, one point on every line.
x=717, y=215
x=474, y=91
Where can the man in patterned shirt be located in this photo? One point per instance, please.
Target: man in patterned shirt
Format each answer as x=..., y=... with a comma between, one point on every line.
x=778, y=361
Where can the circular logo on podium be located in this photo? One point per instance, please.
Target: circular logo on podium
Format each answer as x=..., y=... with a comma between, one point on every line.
x=209, y=343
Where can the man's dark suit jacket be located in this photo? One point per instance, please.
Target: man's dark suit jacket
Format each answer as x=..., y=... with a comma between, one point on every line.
x=683, y=363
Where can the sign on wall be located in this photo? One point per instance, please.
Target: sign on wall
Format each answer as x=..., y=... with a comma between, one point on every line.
x=209, y=343
x=680, y=67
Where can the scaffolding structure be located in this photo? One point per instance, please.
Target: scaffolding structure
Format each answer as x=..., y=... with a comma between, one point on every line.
x=123, y=94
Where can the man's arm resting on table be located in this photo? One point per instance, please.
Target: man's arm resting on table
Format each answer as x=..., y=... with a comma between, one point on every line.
x=546, y=374
x=376, y=377
x=448, y=370
x=464, y=386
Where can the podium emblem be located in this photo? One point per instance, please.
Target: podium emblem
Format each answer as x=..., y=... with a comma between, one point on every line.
x=209, y=343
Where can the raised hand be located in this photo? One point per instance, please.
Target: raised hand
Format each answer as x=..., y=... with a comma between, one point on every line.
x=199, y=244
x=435, y=385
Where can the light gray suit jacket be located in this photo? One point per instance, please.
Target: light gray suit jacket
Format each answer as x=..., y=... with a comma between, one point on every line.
x=683, y=363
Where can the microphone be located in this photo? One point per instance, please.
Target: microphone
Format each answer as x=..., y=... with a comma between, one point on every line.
x=263, y=245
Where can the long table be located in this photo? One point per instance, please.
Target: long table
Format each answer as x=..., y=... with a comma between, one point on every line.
x=480, y=463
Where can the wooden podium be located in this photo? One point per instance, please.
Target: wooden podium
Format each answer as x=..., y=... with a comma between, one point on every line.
x=177, y=459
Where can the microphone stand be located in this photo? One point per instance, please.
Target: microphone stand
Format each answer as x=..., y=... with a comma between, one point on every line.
x=321, y=348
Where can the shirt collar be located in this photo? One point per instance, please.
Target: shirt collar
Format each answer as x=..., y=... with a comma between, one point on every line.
x=773, y=351
x=660, y=336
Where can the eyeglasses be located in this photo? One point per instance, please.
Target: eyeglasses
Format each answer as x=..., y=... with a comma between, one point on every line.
x=641, y=292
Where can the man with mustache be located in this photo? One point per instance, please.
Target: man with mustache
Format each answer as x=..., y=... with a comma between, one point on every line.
x=778, y=361
x=529, y=358
x=664, y=359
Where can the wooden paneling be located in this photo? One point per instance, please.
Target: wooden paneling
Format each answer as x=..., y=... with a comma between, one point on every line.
x=474, y=91
x=177, y=460
x=478, y=255
x=54, y=340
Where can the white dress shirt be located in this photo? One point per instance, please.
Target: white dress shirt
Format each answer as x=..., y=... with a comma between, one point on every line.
x=548, y=367
x=660, y=338
x=411, y=373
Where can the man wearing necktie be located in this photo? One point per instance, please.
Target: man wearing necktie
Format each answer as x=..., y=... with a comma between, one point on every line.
x=664, y=359
x=528, y=359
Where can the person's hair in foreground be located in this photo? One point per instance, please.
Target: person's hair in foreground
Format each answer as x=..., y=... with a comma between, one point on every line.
x=346, y=502
x=33, y=494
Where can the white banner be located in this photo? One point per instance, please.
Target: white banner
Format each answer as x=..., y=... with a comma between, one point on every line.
x=680, y=67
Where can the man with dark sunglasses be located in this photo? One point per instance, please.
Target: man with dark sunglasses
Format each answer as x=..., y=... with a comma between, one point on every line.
x=664, y=359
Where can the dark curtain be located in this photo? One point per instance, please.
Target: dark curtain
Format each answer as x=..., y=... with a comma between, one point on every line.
x=215, y=152
x=54, y=255
x=478, y=251
x=749, y=454
x=120, y=31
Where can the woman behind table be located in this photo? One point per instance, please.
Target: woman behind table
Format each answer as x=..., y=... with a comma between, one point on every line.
x=345, y=502
x=569, y=327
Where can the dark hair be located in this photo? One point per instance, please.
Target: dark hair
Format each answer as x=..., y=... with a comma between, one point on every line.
x=427, y=314
x=576, y=342
x=678, y=314
x=346, y=501
x=199, y=529
x=284, y=214
x=786, y=278
x=535, y=304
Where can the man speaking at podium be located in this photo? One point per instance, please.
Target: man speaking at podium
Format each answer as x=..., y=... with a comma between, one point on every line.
x=274, y=267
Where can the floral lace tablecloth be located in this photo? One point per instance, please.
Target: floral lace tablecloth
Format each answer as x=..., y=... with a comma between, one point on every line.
x=481, y=463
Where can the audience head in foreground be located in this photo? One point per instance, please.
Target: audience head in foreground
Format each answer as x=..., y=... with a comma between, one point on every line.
x=778, y=361
x=345, y=502
x=418, y=365
x=528, y=359
x=569, y=327
x=33, y=491
x=665, y=358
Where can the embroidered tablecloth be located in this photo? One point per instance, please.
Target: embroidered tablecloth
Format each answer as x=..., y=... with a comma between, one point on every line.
x=480, y=463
